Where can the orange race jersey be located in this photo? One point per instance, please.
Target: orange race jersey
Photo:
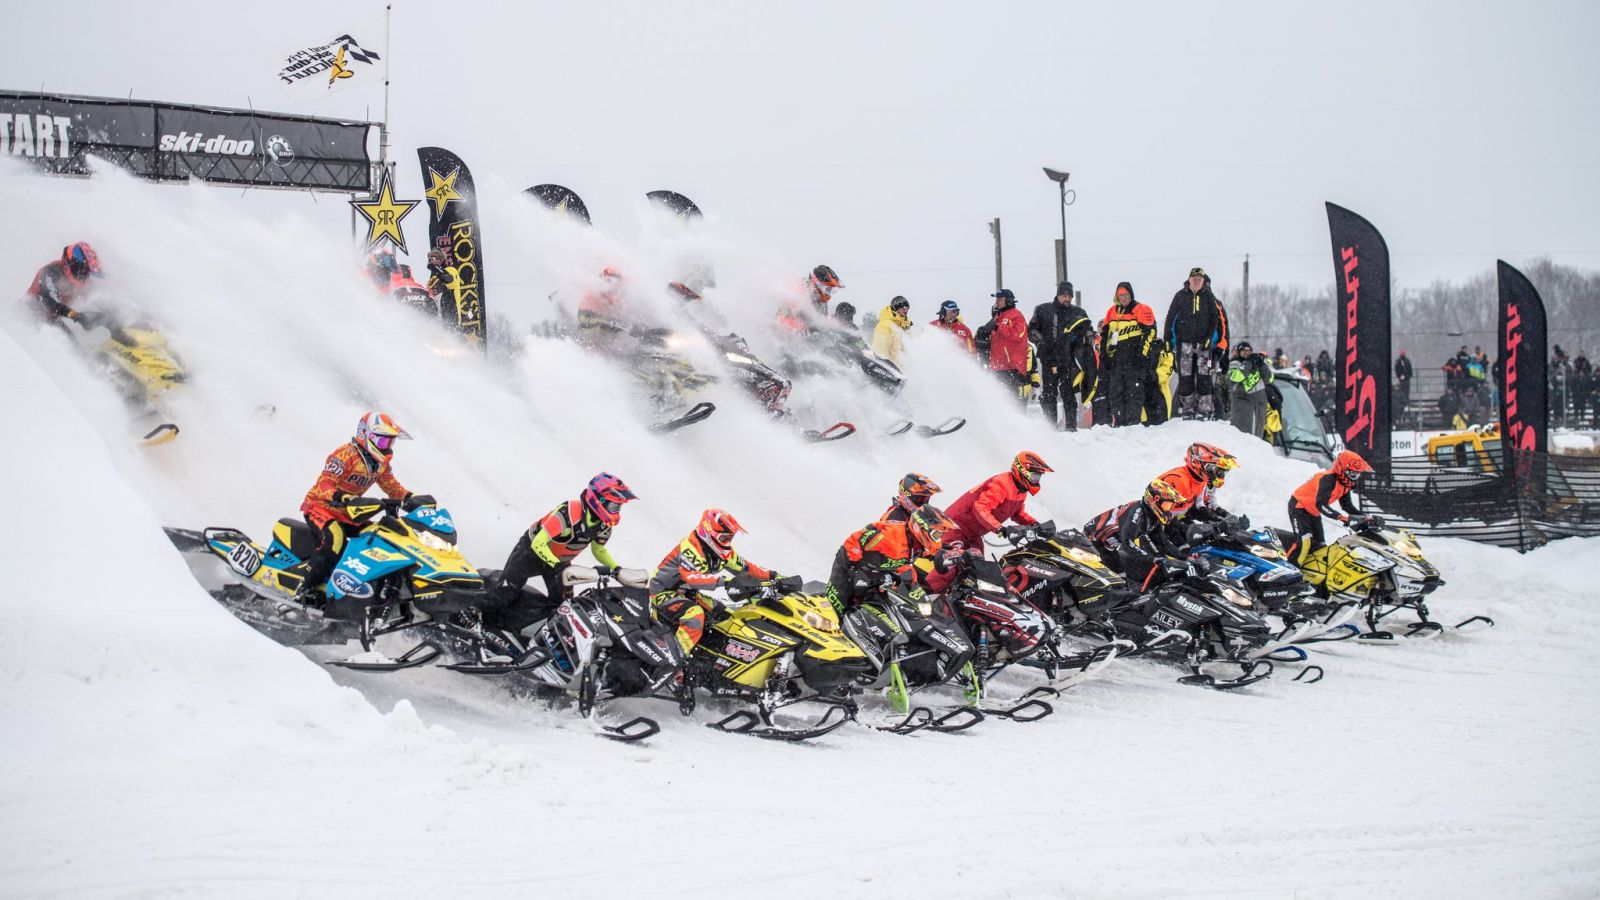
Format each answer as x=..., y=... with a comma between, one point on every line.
x=349, y=470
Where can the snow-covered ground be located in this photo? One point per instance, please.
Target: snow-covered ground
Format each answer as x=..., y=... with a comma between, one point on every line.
x=154, y=746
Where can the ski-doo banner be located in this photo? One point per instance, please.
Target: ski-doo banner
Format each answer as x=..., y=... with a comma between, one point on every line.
x=1361, y=293
x=336, y=62
x=1524, y=414
x=169, y=142
x=453, y=229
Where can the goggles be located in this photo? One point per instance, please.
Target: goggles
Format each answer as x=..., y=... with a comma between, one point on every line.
x=383, y=441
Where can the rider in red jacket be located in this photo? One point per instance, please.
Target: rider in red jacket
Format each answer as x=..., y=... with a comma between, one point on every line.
x=985, y=508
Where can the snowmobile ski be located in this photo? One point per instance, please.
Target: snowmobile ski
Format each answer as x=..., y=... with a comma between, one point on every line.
x=164, y=433
x=1254, y=671
x=746, y=722
x=421, y=654
x=697, y=413
x=1030, y=707
x=899, y=427
x=631, y=731
x=1342, y=632
x=958, y=718
x=834, y=432
x=913, y=722
x=527, y=662
x=948, y=426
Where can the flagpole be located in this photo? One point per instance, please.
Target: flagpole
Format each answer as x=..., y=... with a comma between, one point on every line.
x=388, y=49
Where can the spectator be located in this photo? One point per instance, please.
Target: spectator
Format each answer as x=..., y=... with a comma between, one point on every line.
x=1063, y=334
x=1249, y=374
x=888, y=336
x=950, y=321
x=1157, y=391
x=1307, y=367
x=1127, y=344
x=1280, y=359
x=1008, y=345
x=1194, y=331
x=1402, y=376
x=1324, y=370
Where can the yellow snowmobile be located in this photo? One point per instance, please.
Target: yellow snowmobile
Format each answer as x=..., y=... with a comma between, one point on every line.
x=1380, y=571
x=144, y=369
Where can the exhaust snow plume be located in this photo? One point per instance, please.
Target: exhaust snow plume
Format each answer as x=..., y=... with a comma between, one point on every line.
x=287, y=345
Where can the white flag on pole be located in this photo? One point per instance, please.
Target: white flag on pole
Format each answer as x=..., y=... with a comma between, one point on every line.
x=347, y=59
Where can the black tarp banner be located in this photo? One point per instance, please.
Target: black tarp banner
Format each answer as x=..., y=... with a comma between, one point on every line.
x=453, y=227
x=1521, y=375
x=1361, y=294
x=562, y=200
x=169, y=142
x=696, y=270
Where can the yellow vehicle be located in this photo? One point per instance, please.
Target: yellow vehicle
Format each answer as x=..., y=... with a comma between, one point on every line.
x=143, y=369
x=1380, y=571
x=1477, y=449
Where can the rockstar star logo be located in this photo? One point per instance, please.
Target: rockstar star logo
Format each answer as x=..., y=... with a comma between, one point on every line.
x=442, y=191
x=383, y=215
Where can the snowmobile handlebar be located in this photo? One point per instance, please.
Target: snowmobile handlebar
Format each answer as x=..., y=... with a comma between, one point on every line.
x=1017, y=535
x=572, y=576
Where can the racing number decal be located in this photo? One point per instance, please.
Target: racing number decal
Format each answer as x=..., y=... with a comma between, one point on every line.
x=244, y=559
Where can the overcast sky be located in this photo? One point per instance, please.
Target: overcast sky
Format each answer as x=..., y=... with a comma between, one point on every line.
x=881, y=137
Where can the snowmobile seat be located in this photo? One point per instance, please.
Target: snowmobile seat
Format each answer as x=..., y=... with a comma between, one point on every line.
x=297, y=536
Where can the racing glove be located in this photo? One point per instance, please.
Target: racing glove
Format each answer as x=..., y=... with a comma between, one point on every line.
x=412, y=501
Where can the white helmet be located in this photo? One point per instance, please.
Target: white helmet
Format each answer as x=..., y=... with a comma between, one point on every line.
x=377, y=432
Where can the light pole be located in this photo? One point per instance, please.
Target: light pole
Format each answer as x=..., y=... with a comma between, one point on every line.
x=1067, y=199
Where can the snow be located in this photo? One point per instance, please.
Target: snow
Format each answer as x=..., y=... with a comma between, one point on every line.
x=154, y=746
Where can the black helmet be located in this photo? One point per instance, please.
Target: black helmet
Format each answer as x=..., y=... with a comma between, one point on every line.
x=845, y=312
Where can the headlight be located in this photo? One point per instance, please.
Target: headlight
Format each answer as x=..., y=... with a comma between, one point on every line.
x=1085, y=557
x=818, y=621
x=676, y=342
x=741, y=359
x=1236, y=597
x=990, y=587
x=1266, y=552
x=1370, y=558
x=433, y=542
x=1407, y=546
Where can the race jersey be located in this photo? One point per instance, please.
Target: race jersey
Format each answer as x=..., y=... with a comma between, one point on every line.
x=348, y=472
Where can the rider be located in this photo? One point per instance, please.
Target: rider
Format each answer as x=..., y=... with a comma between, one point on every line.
x=908, y=550
x=1132, y=538
x=985, y=509
x=1314, y=499
x=551, y=544
x=346, y=475
x=916, y=489
x=803, y=317
x=950, y=320
x=60, y=283
x=692, y=567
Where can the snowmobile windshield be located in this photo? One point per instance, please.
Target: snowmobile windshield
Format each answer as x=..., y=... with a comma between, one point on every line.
x=1302, y=430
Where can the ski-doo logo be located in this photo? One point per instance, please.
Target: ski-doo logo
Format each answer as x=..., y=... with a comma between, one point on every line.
x=219, y=145
x=24, y=134
x=1361, y=389
x=279, y=151
x=741, y=651
x=349, y=585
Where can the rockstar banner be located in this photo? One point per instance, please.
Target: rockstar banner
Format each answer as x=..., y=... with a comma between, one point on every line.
x=453, y=229
x=171, y=142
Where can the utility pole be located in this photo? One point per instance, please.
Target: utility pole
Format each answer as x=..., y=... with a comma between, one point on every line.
x=999, y=276
x=1244, y=305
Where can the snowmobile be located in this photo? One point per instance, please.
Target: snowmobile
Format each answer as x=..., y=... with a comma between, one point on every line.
x=1202, y=618
x=780, y=648
x=1063, y=575
x=1005, y=630
x=1382, y=571
x=143, y=369
x=840, y=348
x=402, y=562
x=1255, y=558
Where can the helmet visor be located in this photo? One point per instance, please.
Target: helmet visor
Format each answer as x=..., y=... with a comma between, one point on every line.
x=383, y=441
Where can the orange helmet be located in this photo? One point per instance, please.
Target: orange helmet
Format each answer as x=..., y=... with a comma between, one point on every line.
x=1027, y=469
x=916, y=489
x=81, y=260
x=377, y=432
x=1164, y=500
x=1349, y=467
x=823, y=281
x=716, y=530
x=1210, y=462
x=928, y=526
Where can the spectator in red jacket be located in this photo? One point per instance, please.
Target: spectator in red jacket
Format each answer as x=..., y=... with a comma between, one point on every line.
x=987, y=507
x=1008, y=347
x=950, y=320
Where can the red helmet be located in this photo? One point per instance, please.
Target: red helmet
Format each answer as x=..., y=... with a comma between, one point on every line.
x=604, y=497
x=916, y=489
x=823, y=282
x=377, y=432
x=1027, y=469
x=1349, y=467
x=928, y=526
x=81, y=260
x=1164, y=500
x=1210, y=462
x=716, y=530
